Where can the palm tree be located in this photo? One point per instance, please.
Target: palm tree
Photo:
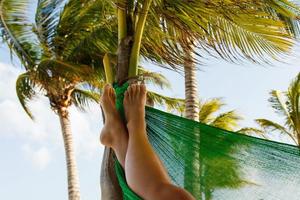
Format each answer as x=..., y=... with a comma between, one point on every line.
x=287, y=105
x=241, y=41
x=90, y=34
x=232, y=40
x=208, y=115
x=63, y=81
x=60, y=66
x=169, y=23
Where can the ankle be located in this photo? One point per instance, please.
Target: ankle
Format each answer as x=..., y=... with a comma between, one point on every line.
x=134, y=125
x=106, y=138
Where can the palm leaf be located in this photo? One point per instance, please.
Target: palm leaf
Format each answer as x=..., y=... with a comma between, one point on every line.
x=46, y=19
x=268, y=125
x=25, y=91
x=293, y=104
x=171, y=103
x=228, y=120
x=93, y=25
x=208, y=108
x=281, y=104
x=72, y=72
x=252, y=131
x=154, y=78
x=16, y=31
x=82, y=98
x=234, y=30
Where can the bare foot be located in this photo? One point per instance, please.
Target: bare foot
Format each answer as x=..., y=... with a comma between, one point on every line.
x=113, y=128
x=134, y=105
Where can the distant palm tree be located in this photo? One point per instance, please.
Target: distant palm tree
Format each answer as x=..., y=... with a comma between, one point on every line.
x=287, y=105
x=208, y=115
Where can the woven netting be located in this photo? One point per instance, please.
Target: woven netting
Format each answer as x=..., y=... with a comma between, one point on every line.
x=212, y=163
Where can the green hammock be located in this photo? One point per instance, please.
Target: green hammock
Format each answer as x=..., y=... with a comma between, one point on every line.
x=212, y=163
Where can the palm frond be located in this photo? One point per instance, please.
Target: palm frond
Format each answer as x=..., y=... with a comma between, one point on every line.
x=154, y=78
x=82, y=98
x=281, y=105
x=25, y=91
x=290, y=7
x=16, y=31
x=171, y=103
x=252, y=131
x=293, y=104
x=228, y=120
x=257, y=40
x=71, y=72
x=208, y=108
x=268, y=125
x=93, y=25
x=235, y=31
x=46, y=19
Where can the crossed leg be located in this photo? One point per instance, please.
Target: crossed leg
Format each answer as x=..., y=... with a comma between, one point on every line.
x=144, y=172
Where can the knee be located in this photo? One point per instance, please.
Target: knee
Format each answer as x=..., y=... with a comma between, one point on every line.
x=169, y=191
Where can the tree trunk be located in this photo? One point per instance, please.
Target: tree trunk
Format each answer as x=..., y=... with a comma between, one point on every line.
x=110, y=188
x=192, y=179
x=191, y=93
x=73, y=181
x=129, y=38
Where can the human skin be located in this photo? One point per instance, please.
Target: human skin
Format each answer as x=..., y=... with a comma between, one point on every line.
x=145, y=173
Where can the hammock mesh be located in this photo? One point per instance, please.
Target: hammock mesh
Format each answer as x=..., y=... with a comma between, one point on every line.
x=214, y=164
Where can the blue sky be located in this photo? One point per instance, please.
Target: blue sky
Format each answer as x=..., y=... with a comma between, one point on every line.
x=31, y=153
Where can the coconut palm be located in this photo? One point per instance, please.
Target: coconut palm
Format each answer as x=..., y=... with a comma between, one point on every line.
x=67, y=73
x=208, y=115
x=170, y=23
x=226, y=172
x=287, y=105
x=83, y=31
x=232, y=46
x=63, y=81
x=236, y=43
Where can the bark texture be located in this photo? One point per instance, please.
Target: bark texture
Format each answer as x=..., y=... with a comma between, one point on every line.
x=191, y=92
x=192, y=170
x=110, y=189
x=73, y=181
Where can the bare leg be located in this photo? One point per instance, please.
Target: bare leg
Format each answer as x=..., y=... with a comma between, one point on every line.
x=114, y=133
x=144, y=172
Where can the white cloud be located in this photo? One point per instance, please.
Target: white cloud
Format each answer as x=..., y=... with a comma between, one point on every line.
x=40, y=157
x=9, y=75
x=86, y=132
x=45, y=130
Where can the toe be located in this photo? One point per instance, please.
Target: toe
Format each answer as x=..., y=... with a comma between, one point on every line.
x=137, y=90
x=133, y=90
x=128, y=93
x=126, y=97
x=111, y=92
x=106, y=90
x=113, y=95
x=143, y=89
